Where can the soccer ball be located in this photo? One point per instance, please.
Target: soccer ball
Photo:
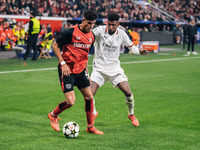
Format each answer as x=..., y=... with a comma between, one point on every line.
x=71, y=129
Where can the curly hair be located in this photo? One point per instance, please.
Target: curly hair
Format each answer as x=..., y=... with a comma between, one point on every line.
x=113, y=16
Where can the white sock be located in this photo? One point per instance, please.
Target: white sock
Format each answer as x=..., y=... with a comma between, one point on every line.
x=94, y=111
x=130, y=104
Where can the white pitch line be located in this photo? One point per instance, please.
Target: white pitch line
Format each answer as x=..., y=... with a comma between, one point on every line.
x=158, y=60
x=131, y=62
x=28, y=70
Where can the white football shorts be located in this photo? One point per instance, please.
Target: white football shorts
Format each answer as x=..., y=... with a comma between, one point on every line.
x=101, y=78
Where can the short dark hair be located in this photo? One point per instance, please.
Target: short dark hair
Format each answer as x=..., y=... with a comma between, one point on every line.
x=5, y=19
x=33, y=13
x=113, y=16
x=90, y=15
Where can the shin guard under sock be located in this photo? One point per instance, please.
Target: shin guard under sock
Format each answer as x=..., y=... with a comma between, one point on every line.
x=89, y=111
x=130, y=104
x=61, y=107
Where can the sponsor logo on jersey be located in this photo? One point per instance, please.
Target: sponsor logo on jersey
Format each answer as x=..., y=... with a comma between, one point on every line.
x=78, y=38
x=80, y=45
x=109, y=47
x=105, y=36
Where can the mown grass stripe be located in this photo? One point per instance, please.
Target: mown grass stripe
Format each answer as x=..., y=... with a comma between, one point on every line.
x=131, y=62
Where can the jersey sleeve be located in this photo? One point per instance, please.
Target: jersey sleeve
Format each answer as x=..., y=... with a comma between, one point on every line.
x=65, y=37
x=129, y=44
x=97, y=31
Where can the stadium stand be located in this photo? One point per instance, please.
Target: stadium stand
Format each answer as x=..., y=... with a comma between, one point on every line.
x=143, y=15
x=149, y=10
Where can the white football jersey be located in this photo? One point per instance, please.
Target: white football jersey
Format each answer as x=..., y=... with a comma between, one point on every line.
x=107, y=50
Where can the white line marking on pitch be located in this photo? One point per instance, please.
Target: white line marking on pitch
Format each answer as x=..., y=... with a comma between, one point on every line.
x=131, y=62
x=158, y=60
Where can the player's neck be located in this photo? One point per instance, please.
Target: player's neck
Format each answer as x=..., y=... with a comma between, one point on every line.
x=80, y=26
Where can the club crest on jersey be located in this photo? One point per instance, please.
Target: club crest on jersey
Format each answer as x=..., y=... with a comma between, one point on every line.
x=90, y=39
x=78, y=38
x=117, y=38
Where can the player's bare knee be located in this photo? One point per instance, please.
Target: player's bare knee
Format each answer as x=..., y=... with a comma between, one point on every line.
x=70, y=102
x=130, y=98
x=89, y=97
x=128, y=94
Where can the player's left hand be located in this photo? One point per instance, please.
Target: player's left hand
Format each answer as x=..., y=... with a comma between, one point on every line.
x=144, y=52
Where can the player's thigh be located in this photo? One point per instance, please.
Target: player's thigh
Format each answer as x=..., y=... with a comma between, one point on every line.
x=98, y=78
x=66, y=82
x=94, y=87
x=121, y=81
x=67, y=85
x=70, y=97
x=116, y=79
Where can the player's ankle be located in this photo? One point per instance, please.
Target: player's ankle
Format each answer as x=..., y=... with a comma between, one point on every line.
x=52, y=114
x=90, y=126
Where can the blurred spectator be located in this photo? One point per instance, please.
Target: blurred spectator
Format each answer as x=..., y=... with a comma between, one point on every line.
x=164, y=28
x=152, y=27
x=33, y=32
x=16, y=30
x=8, y=38
x=22, y=4
x=19, y=32
x=41, y=34
x=10, y=10
x=4, y=25
x=49, y=25
x=135, y=37
x=177, y=33
x=168, y=29
x=40, y=12
x=27, y=11
x=64, y=27
x=14, y=5
x=47, y=39
x=192, y=34
x=8, y=5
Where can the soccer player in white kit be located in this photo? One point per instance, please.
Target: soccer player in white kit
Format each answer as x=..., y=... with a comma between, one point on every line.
x=106, y=64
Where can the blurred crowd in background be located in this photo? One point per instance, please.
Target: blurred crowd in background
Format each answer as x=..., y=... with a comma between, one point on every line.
x=14, y=33
x=128, y=10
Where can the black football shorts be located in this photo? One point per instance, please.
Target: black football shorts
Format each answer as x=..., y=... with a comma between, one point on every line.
x=80, y=80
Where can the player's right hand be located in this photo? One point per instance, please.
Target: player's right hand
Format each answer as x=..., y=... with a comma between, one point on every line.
x=144, y=52
x=65, y=70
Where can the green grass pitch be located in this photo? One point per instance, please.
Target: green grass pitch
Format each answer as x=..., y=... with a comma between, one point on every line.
x=166, y=88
